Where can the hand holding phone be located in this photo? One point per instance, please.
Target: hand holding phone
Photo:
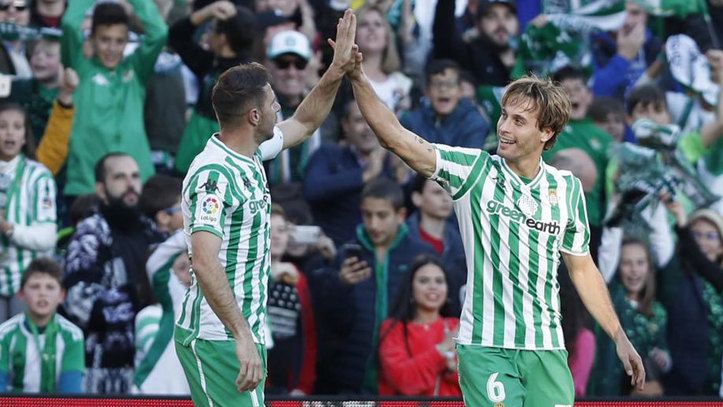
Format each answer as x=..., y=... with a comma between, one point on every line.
x=353, y=269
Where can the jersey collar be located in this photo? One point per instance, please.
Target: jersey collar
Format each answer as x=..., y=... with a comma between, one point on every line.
x=516, y=178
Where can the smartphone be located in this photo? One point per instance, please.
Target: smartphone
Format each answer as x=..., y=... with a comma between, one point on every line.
x=306, y=234
x=352, y=250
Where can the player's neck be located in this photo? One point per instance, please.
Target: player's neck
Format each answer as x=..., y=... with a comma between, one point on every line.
x=525, y=167
x=240, y=141
x=432, y=226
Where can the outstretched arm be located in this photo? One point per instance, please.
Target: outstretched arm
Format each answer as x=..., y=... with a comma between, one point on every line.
x=414, y=150
x=594, y=294
x=316, y=106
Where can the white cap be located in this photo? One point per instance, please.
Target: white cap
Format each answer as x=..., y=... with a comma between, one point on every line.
x=289, y=42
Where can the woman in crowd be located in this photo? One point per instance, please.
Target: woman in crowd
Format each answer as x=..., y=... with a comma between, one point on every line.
x=27, y=205
x=416, y=349
x=642, y=318
x=692, y=296
x=381, y=59
x=292, y=358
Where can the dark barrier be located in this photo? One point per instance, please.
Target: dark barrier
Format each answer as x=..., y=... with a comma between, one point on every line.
x=57, y=401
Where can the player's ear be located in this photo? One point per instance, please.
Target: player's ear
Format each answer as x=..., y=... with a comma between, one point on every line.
x=254, y=116
x=546, y=135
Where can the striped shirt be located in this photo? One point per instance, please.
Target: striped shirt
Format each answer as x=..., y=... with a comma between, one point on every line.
x=21, y=358
x=31, y=202
x=513, y=232
x=227, y=194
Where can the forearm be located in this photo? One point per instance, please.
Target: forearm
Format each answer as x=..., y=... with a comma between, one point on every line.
x=53, y=149
x=217, y=291
x=154, y=28
x=417, y=153
x=316, y=105
x=594, y=294
x=72, y=39
x=40, y=237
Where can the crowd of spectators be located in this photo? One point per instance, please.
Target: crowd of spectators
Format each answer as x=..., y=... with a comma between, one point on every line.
x=106, y=103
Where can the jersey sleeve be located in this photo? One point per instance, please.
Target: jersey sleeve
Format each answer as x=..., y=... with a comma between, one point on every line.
x=209, y=200
x=44, y=209
x=576, y=240
x=269, y=149
x=458, y=168
x=74, y=354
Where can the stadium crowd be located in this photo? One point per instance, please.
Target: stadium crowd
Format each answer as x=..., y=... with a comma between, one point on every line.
x=105, y=104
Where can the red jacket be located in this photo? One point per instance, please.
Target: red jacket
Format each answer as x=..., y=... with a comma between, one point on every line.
x=415, y=374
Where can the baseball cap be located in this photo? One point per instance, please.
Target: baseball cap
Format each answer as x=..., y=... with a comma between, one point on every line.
x=289, y=42
x=484, y=6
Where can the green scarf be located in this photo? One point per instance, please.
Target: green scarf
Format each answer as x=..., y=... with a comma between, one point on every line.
x=381, y=304
x=48, y=352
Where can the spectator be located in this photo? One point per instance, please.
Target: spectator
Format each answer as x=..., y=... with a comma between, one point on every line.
x=104, y=274
x=230, y=41
x=644, y=321
x=27, y=202
x=16, y=12
x=112, y=86
x=582, y=133
x=446, y=117
x=161, y=202
x=416, y=349
x=47, y=13
x=370, y=270
x=620, y=58
x=292, y=359
x=287, y=59
x=59, y=365
x=37, y=94
x=489, y=56
x=382, y=64
x=434, y=224
x=337, y=174
x=609, y=114
x=579, y=339
x=168, y=270
x=691, y=292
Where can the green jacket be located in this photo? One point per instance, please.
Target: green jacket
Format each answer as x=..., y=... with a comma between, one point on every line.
x=594, y=141
x=110, y=101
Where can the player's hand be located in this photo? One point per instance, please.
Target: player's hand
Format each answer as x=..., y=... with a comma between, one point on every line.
x=632, y=362
x=344, y=48
x=354, y=270
x=250, y=371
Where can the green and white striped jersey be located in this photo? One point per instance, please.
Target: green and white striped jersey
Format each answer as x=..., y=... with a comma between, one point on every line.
x=227, y=194
x=31, y=202
x=20, y=356
x=513, y=232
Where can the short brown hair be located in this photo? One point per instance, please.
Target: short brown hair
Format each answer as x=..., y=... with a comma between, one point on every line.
x=42, y=265
x=238, y=89
x=549, y=100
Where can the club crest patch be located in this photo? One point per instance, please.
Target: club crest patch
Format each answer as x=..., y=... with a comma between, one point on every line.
x=527, y=205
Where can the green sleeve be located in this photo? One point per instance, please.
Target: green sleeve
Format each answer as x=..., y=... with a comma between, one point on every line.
x=5, y=361
x=74, y=353
x=155, y=33
x=71, y=43
x=691, y=144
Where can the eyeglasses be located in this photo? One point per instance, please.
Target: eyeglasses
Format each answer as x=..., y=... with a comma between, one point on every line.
x=17, y=5
x=707, y=235
x=285, y=63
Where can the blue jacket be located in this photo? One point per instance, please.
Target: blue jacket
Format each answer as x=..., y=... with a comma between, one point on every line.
x=464, y=127
x=614, y=75
x=333, y=186
x=352, y=310
x=452, y=258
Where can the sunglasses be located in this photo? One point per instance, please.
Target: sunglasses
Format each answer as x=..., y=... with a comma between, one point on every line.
x=300, y=64
x=19, y=6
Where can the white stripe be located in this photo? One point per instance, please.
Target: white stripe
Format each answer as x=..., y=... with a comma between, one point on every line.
x=524, y=257
x=503, y=267
x=488, y=317
x=200, y=373
x=31, y=378
x=463, y=209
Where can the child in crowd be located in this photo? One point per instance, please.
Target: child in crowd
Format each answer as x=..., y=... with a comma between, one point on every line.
x=40, y=351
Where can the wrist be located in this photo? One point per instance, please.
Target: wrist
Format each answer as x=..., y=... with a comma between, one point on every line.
x=198, y=17
x=65, y=101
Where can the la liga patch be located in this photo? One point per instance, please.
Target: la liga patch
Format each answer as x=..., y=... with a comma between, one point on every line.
x=210, y=209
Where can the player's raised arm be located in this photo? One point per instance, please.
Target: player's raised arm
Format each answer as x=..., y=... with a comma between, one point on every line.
x=316, y=106
x=414, y=150
x=594, y=294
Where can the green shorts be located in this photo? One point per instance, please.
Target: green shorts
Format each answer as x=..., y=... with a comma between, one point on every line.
x=211, y=368
x=498, y=377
